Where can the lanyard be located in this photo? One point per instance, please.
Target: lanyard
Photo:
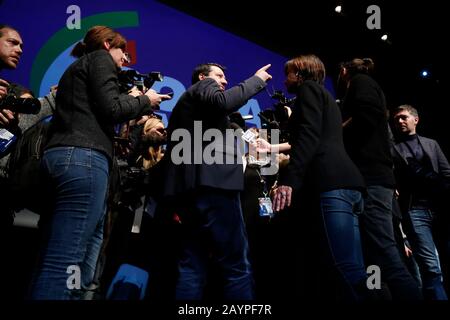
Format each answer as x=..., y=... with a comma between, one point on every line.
x=263, y=181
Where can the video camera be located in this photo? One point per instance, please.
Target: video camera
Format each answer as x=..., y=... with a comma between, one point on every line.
x=277, y=117
x=282, y=99
x=130, y=78
x=20, y=105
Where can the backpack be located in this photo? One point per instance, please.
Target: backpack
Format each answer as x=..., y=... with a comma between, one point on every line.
x=26, y=180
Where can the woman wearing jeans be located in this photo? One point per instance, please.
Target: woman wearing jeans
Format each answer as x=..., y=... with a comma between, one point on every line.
x=318, y=162
x=77, y=160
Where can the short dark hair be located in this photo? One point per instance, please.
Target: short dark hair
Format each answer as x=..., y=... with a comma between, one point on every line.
x=5, y=26
x=205, y=69
x=406, y=107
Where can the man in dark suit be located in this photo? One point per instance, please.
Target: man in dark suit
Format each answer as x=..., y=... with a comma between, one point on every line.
x=422, y=173
x=206, y=190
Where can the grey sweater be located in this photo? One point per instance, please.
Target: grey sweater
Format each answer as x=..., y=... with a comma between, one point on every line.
x=28, y=120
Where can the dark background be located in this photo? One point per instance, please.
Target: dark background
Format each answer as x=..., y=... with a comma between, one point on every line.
x=417, y=34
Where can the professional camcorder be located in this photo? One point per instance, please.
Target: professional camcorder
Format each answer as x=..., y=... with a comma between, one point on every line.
x=131, y=78
x=20, y=105
x=277, y=117
x=282, y=99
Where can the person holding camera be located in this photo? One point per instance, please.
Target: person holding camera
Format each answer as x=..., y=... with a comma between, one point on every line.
x=77, y=161
x=10, y=53
x=423, y=174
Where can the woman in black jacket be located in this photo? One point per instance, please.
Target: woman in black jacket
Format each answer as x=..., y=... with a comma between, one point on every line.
x=319, y=164
x=77, y=161
x=366, y=139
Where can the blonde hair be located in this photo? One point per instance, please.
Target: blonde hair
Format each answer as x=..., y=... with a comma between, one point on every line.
x=153, y=154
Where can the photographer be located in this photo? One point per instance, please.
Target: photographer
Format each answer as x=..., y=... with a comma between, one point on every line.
x=145, y=143
x=146, y=138
x=10, y=52
x=281, y=119
x=78, y=157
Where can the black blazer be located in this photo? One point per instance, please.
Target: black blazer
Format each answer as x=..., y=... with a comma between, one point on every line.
x=366, y=137
x=88, y=104
x=438, y=161
x=317, y=150
x=205, y=102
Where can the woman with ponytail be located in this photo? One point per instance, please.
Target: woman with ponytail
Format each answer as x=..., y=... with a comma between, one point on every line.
x=77, y=162
x=366, y=139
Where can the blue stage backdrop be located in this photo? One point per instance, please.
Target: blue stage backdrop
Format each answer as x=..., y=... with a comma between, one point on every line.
x=160, y=38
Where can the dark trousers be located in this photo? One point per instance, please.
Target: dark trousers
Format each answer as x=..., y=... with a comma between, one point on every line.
x=213, y=226
x=380, y=247
x=6, y=244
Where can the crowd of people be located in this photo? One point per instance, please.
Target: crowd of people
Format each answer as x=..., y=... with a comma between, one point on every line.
x=355, y=186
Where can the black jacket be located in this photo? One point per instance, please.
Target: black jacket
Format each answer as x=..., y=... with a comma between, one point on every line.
x=366, y=137
x=405, y=178
x=88, y=104
x=317, y=150
x=205, y=102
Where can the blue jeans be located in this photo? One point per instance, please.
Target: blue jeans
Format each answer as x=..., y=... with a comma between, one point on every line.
x=214, y=226
x=74, y=233
x=425, y=253
x=340, y=211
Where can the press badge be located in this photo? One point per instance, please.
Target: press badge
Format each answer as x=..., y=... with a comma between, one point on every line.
x=6, y=139
x=265, y=207
x=150, y=207
x=249, y=136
